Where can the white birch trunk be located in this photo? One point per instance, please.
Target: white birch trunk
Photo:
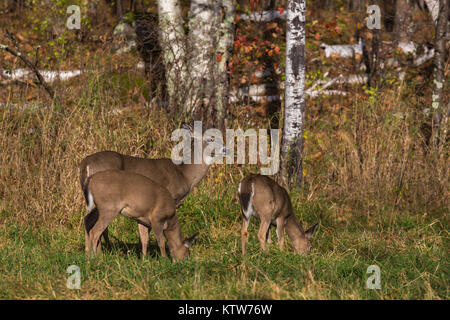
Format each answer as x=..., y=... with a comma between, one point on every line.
x=440, y=116
x=173, y=46
x=225, y=39
x=203, y=17
x=294, y=110
x=403, y=28
x=433, y=7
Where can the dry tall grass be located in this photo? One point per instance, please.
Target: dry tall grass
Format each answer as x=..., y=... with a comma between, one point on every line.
x=374, y=156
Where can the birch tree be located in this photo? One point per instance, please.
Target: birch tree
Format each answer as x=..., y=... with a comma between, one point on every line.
x=403, y=25
x=294, y=110
x=211, y=35
x=433, y=7
x=196, y=63
x=440, y=116
x=173, y=45
x=203, y=23
x=225, y=35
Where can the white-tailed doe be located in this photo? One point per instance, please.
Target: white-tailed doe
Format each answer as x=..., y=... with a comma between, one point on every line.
x=262, y=197
x=132, y=195
x=179, y=180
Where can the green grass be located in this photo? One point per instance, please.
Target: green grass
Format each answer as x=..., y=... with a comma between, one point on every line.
x=380, y=193
x=410, y=249
x=361, y=221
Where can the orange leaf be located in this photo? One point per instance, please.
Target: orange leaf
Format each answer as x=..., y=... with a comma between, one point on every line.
x=317, y=36
x=281, y=10
x=316, y=155
x=219, y=58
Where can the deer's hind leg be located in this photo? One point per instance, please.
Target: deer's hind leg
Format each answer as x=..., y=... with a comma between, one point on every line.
x=89, y=221
x=262, y=233
x=106, y=237
x=105, y=216
x=280, y=231
x=244, y=233
x=268, y=238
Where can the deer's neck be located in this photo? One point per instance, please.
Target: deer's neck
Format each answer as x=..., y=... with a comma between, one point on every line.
x=194, y=172
x=173, y=234
x=293, y=227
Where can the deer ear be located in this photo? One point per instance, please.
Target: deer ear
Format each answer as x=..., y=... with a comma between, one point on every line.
x=310, y=232
x=187, y=127
x=188, y=242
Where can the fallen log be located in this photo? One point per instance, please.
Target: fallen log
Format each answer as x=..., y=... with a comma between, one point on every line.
x=264, y=16
x=48, y=76
x=272, y=98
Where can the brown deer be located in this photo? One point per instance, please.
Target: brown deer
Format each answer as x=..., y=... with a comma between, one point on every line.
x=132, y=195
x=262, y=197
x=179, y=179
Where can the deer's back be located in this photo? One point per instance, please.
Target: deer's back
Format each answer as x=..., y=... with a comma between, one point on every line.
x=163, y=171
x=118, y=189
x=266, y=196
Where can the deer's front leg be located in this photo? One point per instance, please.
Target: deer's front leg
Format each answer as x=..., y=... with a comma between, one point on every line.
x=268, y=238
x=280, y=231
x=159, y=234
x=143, y=236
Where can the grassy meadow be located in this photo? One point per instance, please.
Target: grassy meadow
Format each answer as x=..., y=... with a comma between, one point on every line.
x=367, y=216
x=379, y=192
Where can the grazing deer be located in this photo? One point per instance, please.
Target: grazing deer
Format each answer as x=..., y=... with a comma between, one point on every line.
x=132, y=195
x=262, y=197
x=179, y=180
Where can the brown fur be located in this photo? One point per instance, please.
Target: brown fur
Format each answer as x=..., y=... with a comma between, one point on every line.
x=137, y=197
x=179, y=180
x=262, y=197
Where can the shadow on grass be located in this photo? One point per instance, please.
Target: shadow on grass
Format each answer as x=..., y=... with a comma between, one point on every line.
x=127, y=248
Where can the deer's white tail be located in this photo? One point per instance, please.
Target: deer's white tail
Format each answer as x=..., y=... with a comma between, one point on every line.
x=89, y=198
x=246, y=198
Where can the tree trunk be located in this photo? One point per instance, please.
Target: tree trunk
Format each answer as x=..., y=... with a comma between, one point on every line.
x=225, y=39
x=294, y=110
x=433, y=7
x=356, y=5
x=210, y=43
x=203, y=21
x=374, y=54
x=172, y=42
x=119, y=10
x=403, y=27
x=440, y=122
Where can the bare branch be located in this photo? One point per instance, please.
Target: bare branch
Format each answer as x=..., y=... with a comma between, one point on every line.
x=28, y=63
